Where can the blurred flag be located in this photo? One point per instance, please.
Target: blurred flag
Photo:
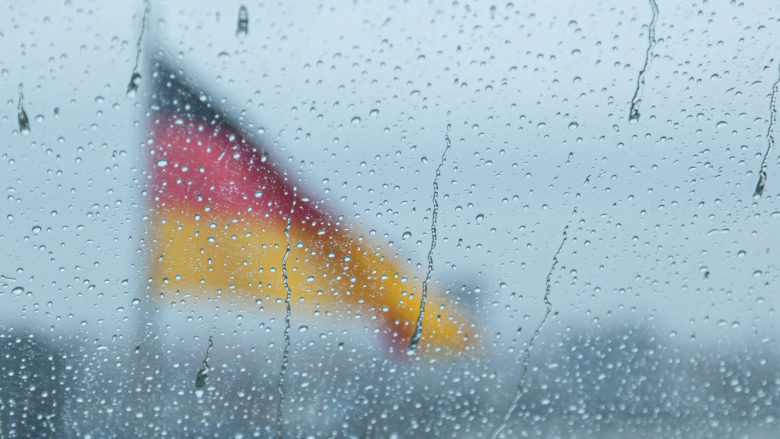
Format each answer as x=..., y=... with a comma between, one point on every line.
x=221, y=210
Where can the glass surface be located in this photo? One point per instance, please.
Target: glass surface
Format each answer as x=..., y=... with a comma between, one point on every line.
x=222, y=219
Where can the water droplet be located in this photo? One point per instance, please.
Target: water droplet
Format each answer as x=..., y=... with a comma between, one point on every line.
x=162, y=163
x=303, y=328
x=36, y=229
x=200, y=379
x=413, y=342
x=17, y=291
x=407, y=235
x=760, y=185
x=243, y=22
x=24, y=122
x=132, y=86
x=258, y=194
x=355, y=120
x=634, y=116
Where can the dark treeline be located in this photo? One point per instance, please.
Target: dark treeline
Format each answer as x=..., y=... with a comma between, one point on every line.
x=625, y=378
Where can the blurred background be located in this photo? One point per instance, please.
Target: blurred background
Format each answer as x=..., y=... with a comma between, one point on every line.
x=662, y=300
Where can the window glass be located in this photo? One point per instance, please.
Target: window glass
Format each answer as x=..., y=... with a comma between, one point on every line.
x=389, y=219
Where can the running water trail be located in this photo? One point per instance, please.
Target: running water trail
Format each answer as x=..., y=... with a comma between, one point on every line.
x=415, y=340
x=770, y=139
x=285, y=354
x=527, y=353
x=135, y=77
x=633, y=113
x=203, y=373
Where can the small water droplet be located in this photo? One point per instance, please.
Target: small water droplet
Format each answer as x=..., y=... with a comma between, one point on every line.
x=243, y=22
x=17, y=291
x=303, y=328
x=355, y=120
x=407, y=235
x=162, y=163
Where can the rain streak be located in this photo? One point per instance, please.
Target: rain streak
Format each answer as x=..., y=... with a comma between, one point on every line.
x=288, y=314
x=633, y=114
x=415, y=340
x=135, y=77
x=769, y=137
x=527, y=352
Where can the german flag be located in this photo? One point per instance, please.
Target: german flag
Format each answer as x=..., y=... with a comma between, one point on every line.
x=223, y=215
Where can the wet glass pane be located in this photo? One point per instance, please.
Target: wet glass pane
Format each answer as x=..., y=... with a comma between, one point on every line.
x=357, y=219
